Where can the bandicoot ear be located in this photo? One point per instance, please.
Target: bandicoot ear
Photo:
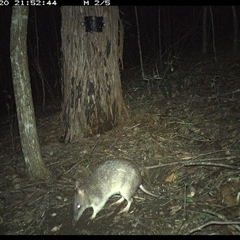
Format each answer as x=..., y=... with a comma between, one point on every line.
x=77, y=184
x=80, y=191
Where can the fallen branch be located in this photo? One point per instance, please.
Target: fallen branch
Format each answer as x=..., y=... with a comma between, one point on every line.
x=214, y=223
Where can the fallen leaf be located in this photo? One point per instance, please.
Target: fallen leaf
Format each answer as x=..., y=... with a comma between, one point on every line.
x=171, y=178
x=56, y=228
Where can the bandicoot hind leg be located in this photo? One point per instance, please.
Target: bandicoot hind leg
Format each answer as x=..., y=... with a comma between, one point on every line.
x=129, y=202
x=119, y=201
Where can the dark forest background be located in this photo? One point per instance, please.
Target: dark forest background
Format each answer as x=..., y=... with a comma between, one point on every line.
x=181, y=34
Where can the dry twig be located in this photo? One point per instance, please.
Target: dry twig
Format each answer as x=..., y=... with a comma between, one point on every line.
x=213, y=223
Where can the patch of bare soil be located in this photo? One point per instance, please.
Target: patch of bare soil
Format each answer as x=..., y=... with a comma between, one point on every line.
x=185, y=144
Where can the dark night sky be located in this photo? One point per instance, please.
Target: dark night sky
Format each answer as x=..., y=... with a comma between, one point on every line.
x=186, y=22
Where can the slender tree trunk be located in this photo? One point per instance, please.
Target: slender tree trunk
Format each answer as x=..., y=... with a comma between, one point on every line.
x=92, y=92
x=213, y=34
x=160, y=38
x=139, y=44
x=235, y=31
x=204, y=31
x=23, y=96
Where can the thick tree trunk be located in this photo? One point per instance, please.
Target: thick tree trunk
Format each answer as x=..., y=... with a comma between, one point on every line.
x=92, y=93
x=23, y=95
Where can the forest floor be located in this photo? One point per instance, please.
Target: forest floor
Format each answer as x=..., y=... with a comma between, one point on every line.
x=183, y=134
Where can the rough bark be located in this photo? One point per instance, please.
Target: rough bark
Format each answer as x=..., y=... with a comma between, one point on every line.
x=23, y=96
x=92, y=93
